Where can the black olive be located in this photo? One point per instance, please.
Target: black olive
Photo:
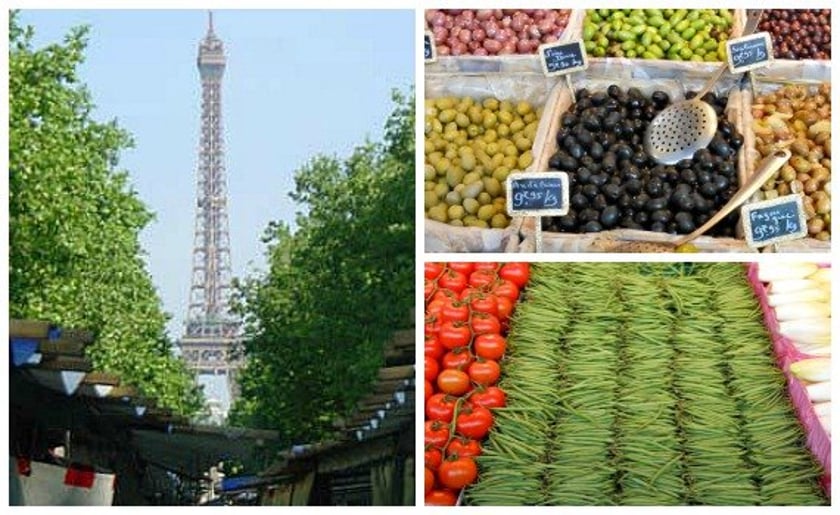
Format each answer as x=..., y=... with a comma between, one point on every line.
x=725, y=127
x=583, y=175
x=635, y=93
x=635, y=114
x=708, y=190
x=671, y=227
x=586, y=161
x=688, y=176
x=622, y=151
x=703, y=177
x=639, y=158
x=611, y=120
x=611, y=191
x=719, y=147
x=704, y=158
x=639, y=201
x=598, y=98
x=609, y=216
x=634, y=103
x=613, y=90
x=685, y=222
x=599, y=179
x=701, y=205
x=624, y=201
x=590, y=190
x=585, y=137
x=641, y=217
x=710, y=98
x=599, y=202
x=612, y=105
x=554, y=160
x=649, y=113
x=568, y=222
x=682, y=164
x=615, y=179
x=596, y=150
x=569, y=141
x=592, y=226
x=656, y=203
x=567, y=163
x=578, y=201
x=658, y=227
x=608, y=139
x=568, y=119
x=592, y=123
x=628, y=223
x=609, y=161
x=686, y=202
x=660, y=99
x=583, y=104
x=582, y=92
x=576, y=151
x=588, y=215
x=726, y=168
x=633, y=186
x=661, y=215
x=690, y=94
x=630, y=172
x=654, y=187
x=627, y=128
x=721, y=182
x=736, y=141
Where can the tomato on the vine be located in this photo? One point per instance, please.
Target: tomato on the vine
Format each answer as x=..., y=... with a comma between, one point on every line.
x=463, y=447
x=444, y=295
x=507, y=289
x=457, y=473
x=432, y=457
x=431, y=271
x=441, y=407
x=432, y=326
x=517, y=273
x=428, y=288
x=455, y=310
x=483, y=278
x=485, y=303
x=483, y=323
x=453, y=382
x=454, y=334
x=432, y=347
x=505, y=308
x=435, y=308
x=459, y=359
x=441, y=497
x=487, y=265
x=453, y=280
x=484, y=371
x=435, y=433
x=464, y=268
x=475, y=422
x=432, y=369
x=430, y=390
x=489, y=346
x=488, y=397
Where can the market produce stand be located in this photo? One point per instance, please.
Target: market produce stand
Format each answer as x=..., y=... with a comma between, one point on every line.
x=652, y=50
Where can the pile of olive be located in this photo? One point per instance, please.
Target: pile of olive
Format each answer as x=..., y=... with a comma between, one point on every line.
x=470, y=147
x=615, y=184
x=799, y=118
x=798, y=33
x=676, y=34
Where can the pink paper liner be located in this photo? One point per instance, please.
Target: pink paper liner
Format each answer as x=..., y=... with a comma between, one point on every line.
x=817, y=439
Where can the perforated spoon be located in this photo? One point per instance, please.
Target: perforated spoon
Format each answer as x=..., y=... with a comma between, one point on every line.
x=684, y=127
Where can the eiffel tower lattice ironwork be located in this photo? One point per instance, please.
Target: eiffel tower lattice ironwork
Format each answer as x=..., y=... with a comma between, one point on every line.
x=209, y=345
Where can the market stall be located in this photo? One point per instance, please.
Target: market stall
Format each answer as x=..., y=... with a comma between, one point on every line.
x=631, y=384
x=493, y=110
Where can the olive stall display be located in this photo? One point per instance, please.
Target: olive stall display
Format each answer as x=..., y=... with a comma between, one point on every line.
x=675, y=34
x=488, y=32
x=615, y=184
x=471, y=146
x=798, y=117
x=798, y=33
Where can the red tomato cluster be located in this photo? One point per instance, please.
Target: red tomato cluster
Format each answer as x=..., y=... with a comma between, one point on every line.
x=468, y=308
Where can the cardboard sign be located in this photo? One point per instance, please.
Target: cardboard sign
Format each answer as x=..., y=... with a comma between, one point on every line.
x=562, y=58
x=538, y=194
x=774, y=221
x=429, y=50
x=749, y=52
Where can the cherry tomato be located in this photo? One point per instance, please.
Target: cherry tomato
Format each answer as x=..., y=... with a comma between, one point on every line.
x=435, y=433
x=457, y=473
x=485, y=303
x=432, y=347
x=483, y=323
x=453, y=280
x=431, y=326
x=435, y=308
x=484, y=371
x=489, y=346
x=488, y=265
x=506, y=289
x=470, y=292
x=432, y=369
x=441, y=497
x=444, y=295
x=431, y=271
x=505, y=308
x=458, y=359
x=453, y=382
x=440, y=407
x=454, y=334
x=455, y=310
x=517, y=273
x=475, y=422
x=463, y=447
x=430, y=390
x=464, y=268
x=488, y=397
x=432, y=457
x=430, y=481
x=483, y=278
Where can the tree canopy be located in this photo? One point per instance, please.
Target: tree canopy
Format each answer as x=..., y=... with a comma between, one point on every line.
x=74, y=222
x=335, y=289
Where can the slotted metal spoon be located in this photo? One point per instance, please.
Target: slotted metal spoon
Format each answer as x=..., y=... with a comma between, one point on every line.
x=768, y=166
x=684, y=127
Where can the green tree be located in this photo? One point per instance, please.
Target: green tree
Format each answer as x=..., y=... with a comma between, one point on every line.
x=335, y=289
x=74, y=222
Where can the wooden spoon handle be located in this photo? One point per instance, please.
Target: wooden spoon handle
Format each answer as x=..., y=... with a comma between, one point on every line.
x=766, y=169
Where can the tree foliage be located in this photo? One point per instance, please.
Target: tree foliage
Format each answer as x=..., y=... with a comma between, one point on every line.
x=335, y=289
x=74, y=252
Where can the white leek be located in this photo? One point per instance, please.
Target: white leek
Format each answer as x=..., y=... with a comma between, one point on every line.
x=819, y=392
x=793, y=297
x=791, y=285
x=822, y=409
x=813, y=370
x=802, y=310
x=821, y=275
x=810, y=330
x=768, y=272
x=813, y=349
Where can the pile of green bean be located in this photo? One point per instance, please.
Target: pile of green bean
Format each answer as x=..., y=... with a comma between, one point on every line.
x=643, y=384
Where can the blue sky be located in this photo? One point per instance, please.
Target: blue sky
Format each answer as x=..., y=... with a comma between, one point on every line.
x=297, y=83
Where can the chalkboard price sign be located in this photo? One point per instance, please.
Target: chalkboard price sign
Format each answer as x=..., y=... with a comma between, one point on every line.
x=429, y=50
x=562, y=58
x=538, y=194
x=749, y=52
x=774, y=221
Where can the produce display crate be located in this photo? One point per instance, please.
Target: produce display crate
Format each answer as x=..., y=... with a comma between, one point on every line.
x=514, y=63
x=818, y=441
x=783, y=72
x=534, y=88
x=647, y=76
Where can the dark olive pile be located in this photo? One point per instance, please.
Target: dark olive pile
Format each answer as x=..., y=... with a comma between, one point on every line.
x=615, y=184
x=798, y=33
